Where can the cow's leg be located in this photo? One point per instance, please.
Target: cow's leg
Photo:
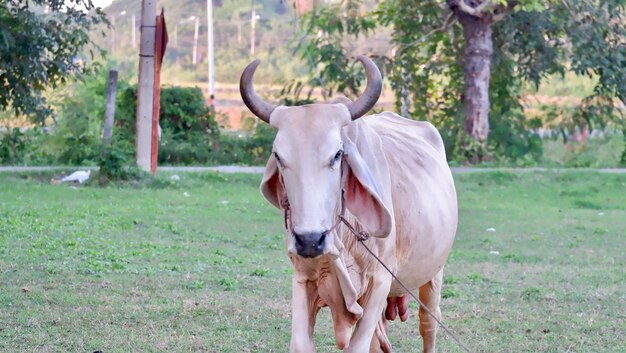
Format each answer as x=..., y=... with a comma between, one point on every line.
x=303, y=314
x=373, y=306
x=430, y=295
x=380, y=341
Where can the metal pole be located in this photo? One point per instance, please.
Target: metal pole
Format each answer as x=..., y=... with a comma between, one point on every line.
x=239, y=32
x=209, y=19
x=134, y=29
x=176, y=35
x=145, y=89
x=195, y=41
x=112, y=34
x=252, y=31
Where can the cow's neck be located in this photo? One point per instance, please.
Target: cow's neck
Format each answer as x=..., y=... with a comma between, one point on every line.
x=347, y=276
x=341, y=282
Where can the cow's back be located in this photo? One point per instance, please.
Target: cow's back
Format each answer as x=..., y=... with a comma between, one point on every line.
x=423, y=193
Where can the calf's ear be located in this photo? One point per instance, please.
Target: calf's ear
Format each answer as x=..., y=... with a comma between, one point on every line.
x=271, y=185
x=362, y=194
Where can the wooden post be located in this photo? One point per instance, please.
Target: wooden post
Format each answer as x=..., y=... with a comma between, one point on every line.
x=161, y=44
x=109, y=108
x=145, y=87
x=209, y=19
x=194, y=60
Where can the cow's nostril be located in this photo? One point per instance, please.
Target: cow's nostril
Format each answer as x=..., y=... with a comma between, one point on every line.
x=299, y=241
x=322, y=239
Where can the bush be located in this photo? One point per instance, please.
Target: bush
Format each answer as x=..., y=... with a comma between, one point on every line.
x=196, y=148
x=76, y=138
x=188, y=128
x=115, y=166
x=512, y=139
x=24, y=148
x=189, y=131
x=227, y=148
x=182, y=111
x=595, y=152
x=190, y=134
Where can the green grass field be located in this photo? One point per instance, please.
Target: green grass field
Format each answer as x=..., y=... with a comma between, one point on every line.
x=149, y=269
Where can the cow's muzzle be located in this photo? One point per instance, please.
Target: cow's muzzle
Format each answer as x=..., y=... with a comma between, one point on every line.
x=310, y=244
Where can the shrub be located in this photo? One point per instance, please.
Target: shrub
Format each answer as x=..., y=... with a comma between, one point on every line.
x=182, y=112
x=189, y=130
x=195, y=148
x=227, y=148
x=115, y=166
x=76, y=138
x=512, y=139
x=23, y=148
x=595, y=152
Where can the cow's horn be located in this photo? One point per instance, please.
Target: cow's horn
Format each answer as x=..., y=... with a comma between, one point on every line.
x=368, y=99
x=257, y=105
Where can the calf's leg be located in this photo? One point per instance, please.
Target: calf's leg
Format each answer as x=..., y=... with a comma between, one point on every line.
x=430, y=295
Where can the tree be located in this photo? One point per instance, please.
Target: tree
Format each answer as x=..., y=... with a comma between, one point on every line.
x=462, y=64
x=476, y=18
x=41, y=43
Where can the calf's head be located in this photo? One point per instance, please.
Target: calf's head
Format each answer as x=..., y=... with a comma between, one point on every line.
x=313, y=161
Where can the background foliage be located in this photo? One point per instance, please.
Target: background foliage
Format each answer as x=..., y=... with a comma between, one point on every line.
x=538, y=51
x=190, y=133
x=425, y=67
x=41, y=42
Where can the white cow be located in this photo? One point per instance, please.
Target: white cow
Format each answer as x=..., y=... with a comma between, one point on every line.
x=389, y=177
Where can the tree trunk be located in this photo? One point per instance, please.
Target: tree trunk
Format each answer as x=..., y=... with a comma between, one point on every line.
x=478, y=51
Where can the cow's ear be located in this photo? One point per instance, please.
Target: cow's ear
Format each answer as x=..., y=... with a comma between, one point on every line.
x=271, y=186
x=362, y=194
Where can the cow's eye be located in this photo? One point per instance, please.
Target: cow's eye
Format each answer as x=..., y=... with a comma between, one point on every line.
x=336, y=157
x=278, y=159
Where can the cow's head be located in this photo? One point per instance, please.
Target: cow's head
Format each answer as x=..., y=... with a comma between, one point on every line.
x=313, y=160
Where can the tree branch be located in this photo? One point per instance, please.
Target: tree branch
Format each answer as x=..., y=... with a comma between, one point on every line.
x=478, y=11
x=501, y=12
x=485, y=10
x=574, y=17
x=449, y=20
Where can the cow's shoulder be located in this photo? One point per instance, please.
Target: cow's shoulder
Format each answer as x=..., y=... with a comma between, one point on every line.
x=393, y=126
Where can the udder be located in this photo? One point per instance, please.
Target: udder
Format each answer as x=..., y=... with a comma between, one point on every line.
x=397, y=305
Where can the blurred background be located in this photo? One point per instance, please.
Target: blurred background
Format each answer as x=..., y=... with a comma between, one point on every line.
x=556, y=90
x=172, y=262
